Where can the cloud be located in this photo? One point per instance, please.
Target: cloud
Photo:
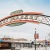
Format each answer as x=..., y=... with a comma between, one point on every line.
x=7, y=8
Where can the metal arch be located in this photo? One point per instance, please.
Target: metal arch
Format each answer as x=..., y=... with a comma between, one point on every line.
x=45, y=20
x=38, y=18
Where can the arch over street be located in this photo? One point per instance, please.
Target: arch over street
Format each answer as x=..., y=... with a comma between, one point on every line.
x=34, y=17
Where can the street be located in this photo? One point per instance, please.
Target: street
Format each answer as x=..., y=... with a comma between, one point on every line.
x=40, y=48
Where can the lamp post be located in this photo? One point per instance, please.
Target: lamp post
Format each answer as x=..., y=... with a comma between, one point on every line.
x=45, y=44
x=35, y=38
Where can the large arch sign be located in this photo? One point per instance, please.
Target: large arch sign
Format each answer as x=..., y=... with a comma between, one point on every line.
x=34, y=17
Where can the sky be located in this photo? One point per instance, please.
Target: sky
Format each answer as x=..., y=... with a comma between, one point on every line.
x=26, y=30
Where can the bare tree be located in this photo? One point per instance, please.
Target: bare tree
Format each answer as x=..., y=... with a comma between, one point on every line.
x=48, y=36
x=5, y=36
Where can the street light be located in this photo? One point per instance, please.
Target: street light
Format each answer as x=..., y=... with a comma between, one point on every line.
x=45, y=44
x=35, y=38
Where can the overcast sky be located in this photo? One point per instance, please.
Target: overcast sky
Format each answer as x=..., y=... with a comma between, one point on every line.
x=25, y=30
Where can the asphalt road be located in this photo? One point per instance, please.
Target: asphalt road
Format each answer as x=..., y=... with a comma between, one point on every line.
x=40, y=48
